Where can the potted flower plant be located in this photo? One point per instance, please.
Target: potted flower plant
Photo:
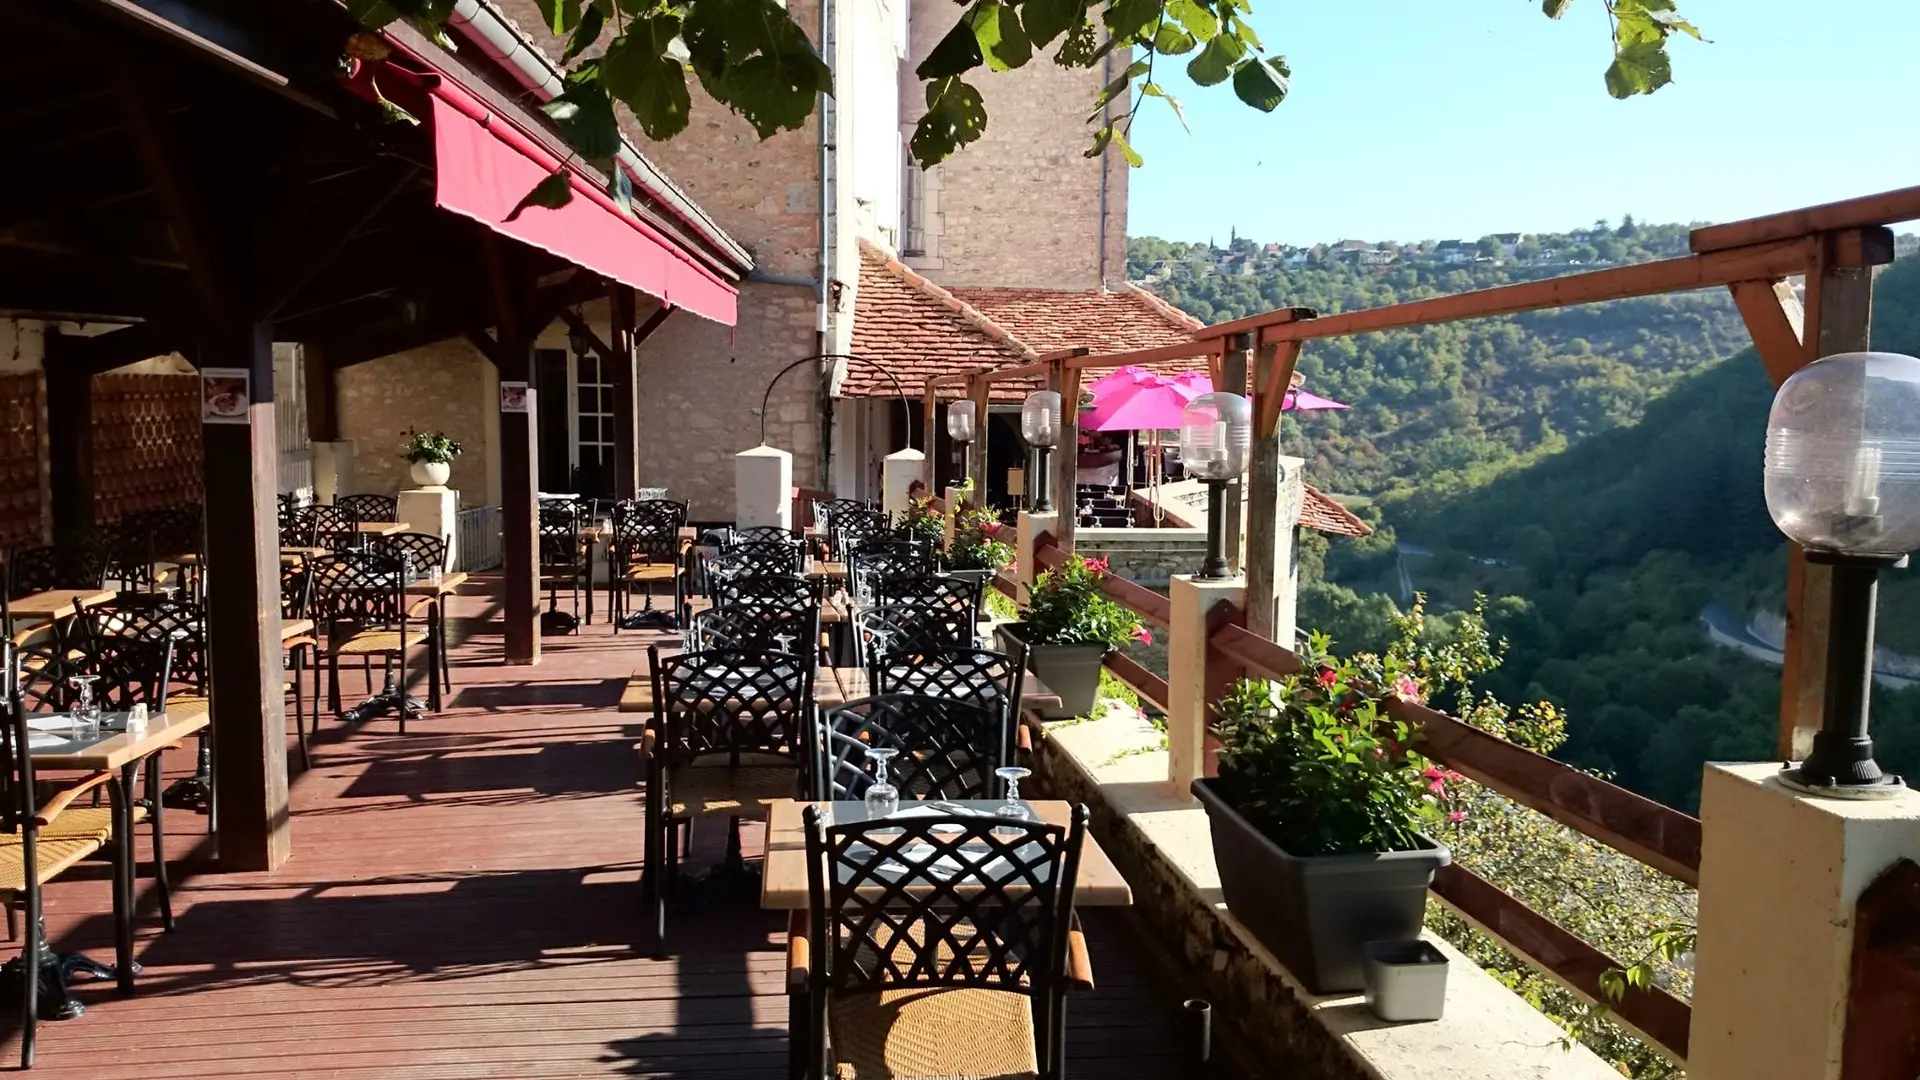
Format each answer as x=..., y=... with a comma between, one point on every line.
x=1318, y=811
x=430, y=457
x=979, y=548
x=921, y=523
x=1069, y=627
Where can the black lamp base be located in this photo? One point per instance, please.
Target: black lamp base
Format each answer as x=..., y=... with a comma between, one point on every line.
x=1840, y=763
x=1887, y=786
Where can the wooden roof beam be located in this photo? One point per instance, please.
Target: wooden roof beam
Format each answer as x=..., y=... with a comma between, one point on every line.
x=1884, y=208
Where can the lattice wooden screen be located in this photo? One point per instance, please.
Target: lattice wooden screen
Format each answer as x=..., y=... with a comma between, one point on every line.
x=146, y=443
x=23, y=450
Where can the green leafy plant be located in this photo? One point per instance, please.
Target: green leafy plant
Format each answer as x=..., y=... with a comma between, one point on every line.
x=922, y=523
x=978, y=540
x=753, y=58
x=1314, y=762
x=431, y=448
x=1066, y=606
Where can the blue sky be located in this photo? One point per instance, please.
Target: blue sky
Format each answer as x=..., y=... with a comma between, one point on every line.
x=1421, y=119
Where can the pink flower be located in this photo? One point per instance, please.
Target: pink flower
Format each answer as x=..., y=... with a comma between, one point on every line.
x=1457, y=816
x=1436, y=779
x=1406, y=688
x=1143, y=636
x=1328, y=676
x=992, y=528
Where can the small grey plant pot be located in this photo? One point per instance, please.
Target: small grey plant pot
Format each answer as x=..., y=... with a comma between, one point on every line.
x=1315, y=913
x=1071, y=671
x=1406, y=980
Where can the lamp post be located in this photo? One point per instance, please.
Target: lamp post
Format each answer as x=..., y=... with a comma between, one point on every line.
x=960, y=429
x=1040, y=427
x=1843, y=481
x=1216, y=439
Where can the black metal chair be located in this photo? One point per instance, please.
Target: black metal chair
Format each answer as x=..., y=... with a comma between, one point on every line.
x=936, y=946
x=893, y=561
x=334, y=527
x=952, y=598
x=360, y=599
x=645, y=550
x=370, y=507
x=80, y=562
x=766, y=625
x=296, y=596
x=944, y=748
x=42, y=835
x=788, y=587
x=31, y=570
x=731, y=733
x=426, y=554
x=854, y=528
x=826, y=513
x=563, y=554
x=760, y=534
x=299, y=527
x=990, y=679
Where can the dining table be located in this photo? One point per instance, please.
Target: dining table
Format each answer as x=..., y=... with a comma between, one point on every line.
x=381, y=528
x=53, y=605
x=783, y=882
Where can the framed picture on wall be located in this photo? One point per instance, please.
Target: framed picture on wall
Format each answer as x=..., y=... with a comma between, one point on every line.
x=225, y=395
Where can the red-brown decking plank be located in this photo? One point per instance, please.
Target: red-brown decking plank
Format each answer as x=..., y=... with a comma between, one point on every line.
x=463, y=902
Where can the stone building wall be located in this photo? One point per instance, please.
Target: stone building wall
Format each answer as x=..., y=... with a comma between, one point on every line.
x=447, y=386
x=1022, y=206
x=698, y=381
x=1145, y=556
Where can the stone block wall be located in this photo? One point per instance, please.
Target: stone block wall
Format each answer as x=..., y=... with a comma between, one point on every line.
x=1022, y=206
x=440, y=387
x=1145, y=556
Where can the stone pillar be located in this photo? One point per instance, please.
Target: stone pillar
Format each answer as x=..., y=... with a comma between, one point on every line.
x=1780, y=876
x=332, y=470
x=1187, y=672
x=897, y=473
x=952, y=499
x=432, y=510
x=763, y=488
x=1273, y=564
x=1030, y=526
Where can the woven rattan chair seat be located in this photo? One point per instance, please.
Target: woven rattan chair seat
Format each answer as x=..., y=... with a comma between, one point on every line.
x=651, y=572
x=365, y=642
x=79, y=823
x=55, y=856
x=703, y=789
x=931, y=1034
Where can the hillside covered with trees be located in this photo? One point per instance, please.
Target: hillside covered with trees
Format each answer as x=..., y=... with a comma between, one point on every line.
x=1596, y=472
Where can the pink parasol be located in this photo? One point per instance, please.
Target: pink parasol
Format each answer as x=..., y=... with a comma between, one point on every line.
x=1304, y=402
x=1133, y=399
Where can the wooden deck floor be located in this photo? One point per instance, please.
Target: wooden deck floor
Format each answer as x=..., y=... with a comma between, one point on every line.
x=463, y=902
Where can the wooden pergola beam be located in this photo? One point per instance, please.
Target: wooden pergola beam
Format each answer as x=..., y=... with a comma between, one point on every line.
x=1881, y=208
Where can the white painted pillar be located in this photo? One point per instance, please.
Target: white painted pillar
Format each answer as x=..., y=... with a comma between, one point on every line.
x=1029, y=526
x=1781, y=874
x=897, y=474
x=1187, y=671
x=333, y=470
x=1284, y=584
x=763, y=488
x=431, y=510
x=951, y=497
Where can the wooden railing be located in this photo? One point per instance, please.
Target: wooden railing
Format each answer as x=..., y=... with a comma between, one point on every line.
x=1647, y=831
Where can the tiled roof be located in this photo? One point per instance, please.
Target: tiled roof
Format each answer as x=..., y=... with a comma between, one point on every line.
x=1321, y=513
x=918, y=330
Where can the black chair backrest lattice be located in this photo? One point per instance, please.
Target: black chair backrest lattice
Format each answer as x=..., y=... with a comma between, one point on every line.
x=854, y=528
x=425, y=551
x=31, y=570
x=363, y=588
x=826, y=512
x=760, y=534
x=944, y=748
x=753, y=560
x=952, y=597
x=296, y=590
x=299, y=526
x=894, y=630
x=890, y=561
x=178, y=622
x=733, y=702
x=788, y=588
x=17, y=796
x=648, y=530
x=942, y=902
x=769, y=625
x=334, y=527
x=560, y=537
x=992, y=680
x=129, y=669
x=370, y=507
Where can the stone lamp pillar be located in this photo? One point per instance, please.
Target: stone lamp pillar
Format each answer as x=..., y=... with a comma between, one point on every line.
x=763, y=488
x=897, y=473
x=1193, y=597
x=434, y=511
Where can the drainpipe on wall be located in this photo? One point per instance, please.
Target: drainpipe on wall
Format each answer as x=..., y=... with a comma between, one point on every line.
x=1106, y=164
x=823, y=458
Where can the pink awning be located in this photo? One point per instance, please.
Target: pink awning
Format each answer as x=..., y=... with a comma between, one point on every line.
x=484, y=167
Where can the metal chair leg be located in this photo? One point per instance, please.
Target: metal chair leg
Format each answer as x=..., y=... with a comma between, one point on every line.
x=163, y=884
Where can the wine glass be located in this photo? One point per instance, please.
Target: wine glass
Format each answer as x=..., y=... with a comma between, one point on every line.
x=1013, y=808
x=85, y=716
x=785, y=641
x=882, y=797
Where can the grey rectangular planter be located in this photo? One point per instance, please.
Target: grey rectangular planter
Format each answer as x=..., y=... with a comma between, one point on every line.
x=1316, y=913
x=1406, y=980
x=1071, y=671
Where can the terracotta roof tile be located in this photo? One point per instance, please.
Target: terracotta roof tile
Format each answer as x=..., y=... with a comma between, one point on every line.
x=1102, y=320
x=1322, y=513
x=919, y=330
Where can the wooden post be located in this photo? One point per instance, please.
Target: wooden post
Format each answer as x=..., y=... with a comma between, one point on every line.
x=1233, y=380
x=625, y=360
x=1837, y=319
x=1066, y=458
x=69, y=439
x=930, y=435
x=1272, y=375
x=323, y=413
x=980, y=390
x=240, y=464
x=519, y=458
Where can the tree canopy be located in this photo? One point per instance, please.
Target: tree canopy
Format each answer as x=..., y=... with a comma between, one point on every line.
x=753, y=58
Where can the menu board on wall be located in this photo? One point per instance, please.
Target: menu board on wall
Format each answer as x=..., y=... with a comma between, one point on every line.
x=225, y=395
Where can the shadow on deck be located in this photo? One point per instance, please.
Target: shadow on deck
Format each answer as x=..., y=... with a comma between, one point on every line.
x=463, y=901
